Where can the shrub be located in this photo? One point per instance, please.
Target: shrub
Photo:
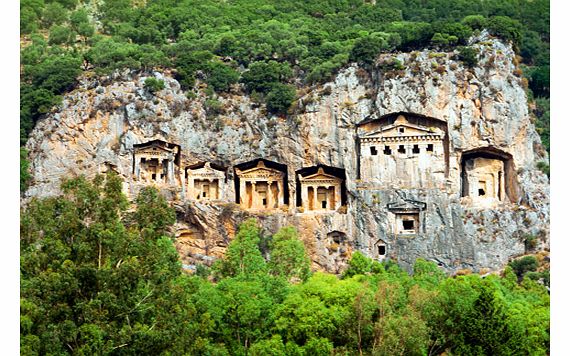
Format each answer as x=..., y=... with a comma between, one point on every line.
x=153, y=85
x=544, y=167
x=25, y=175
x=213, y=107
x=468, y=56
x=524, y=265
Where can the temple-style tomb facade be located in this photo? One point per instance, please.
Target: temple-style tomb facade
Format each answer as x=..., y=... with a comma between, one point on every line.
x=205, y=182
x=320, y=191
x=397, y=152
x=156, y=162
x=261, y=187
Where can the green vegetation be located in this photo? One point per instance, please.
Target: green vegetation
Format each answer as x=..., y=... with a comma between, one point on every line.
x=272, y=47
x=25, y=175
x=100, y=278
x=153, y=85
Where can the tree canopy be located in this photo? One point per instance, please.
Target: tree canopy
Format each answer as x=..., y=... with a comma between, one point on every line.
x=98, y=277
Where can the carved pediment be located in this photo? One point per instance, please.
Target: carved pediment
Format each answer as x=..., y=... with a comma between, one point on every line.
x=205, y=172
x=320, y=177
x=156, y=148
x=260, y=172
x=402, y=128
x=406, y=206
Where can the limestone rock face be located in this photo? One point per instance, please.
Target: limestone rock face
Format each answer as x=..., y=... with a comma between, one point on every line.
x=387, y=213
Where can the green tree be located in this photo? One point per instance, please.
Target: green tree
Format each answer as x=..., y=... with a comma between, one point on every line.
x=109, y=54
x=288, y=257
x=262, y=76
x=54, y=14
x=60, y=35
x=280, y=98
x=80, y=23
x=506, y=28
x=220, y=76
x=366, y=49
x=243, y=257
x=92, y=284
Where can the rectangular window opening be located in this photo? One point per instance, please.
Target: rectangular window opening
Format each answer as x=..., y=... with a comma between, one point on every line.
x=408, y=224
x=153, y=176
x=401, y=149
x=387, y=150
x=264, y=201
x=382, y=250
x=416, y=149
x=402, y=130
x=481, y=191
x=324, y=204
x=373, y=151
x=429, y=147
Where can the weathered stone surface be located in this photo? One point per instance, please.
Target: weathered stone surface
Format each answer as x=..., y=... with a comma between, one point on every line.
x=99, y=123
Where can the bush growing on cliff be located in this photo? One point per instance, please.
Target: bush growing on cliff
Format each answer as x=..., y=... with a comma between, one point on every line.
x=280, y=98
x=468, y=55
x=523, y=265
x=153, y=85
x=25, y=175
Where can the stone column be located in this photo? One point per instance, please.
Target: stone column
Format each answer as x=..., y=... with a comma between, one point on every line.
x=170, y=171
x=220, y=188
x=182, y=183
x=280, y=192
x=191, y=192
x=304, y=197
x=338, y=197
x=269, y=195
x=212, y=192
x=242, y=191
x=254, y=196
x=137, y=169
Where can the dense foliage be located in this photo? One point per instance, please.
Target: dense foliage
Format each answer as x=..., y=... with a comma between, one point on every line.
x=100, y=278
x=272, y=47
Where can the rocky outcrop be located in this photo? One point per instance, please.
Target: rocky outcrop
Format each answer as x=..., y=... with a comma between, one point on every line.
x=99, y=122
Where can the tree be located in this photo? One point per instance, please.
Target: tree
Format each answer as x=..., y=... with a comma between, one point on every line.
x=506, y=28
x=366, y=49
x=60, y=35
x=360, y=264
x=55, y=73
x=243, y=257
x=288, y=256
x=262, y=76
x=108, y=55
x=540, y=81
x=220, y=76
x=54, y=14
x=91, y=283
x=80, y=23
x=280, y=98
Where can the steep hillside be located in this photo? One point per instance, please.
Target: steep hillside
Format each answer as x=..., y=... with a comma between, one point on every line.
x=468, y=201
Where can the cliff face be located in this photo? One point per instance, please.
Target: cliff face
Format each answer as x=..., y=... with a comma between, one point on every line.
x=461, y=219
